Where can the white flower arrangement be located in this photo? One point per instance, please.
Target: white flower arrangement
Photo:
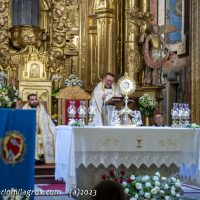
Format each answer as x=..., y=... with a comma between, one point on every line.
x=147, y=187
x=155, y=187
x=72, y=80
x=147, y=105
x=75, y=123
x=7, y=96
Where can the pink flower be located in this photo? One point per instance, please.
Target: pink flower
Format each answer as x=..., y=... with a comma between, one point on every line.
x=104, y=176
x=122, y=172
x=111, y=172
x=129, y=180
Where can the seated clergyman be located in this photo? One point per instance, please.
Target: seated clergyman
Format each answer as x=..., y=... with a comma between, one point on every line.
x=45, y=131
x=159, y=119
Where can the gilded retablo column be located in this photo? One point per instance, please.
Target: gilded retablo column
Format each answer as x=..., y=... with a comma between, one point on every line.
x=147, y=17
x=132, y=34
x=106, y=35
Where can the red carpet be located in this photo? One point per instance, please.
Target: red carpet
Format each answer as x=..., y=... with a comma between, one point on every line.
x=50, y=189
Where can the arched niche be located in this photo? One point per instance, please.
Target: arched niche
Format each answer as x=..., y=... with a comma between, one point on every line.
x=25, y=12
x=30, y=12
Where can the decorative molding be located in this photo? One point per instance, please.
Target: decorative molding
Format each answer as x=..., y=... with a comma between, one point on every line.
x=73, y=92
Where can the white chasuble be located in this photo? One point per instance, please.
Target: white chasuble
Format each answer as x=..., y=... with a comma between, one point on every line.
x=45, y=135
x=97, y=101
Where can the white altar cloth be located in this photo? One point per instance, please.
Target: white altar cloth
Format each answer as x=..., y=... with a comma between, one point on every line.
x=65, y=156
x=119, y=145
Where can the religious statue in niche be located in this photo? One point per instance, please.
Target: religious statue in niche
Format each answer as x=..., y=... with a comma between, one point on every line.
x=54, y=76
x=156, y=52
x=3, y=78
x=34, y=71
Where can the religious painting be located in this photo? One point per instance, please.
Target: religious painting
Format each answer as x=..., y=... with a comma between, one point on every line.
x=34, y=71
x=175, y=14
x=172, y=14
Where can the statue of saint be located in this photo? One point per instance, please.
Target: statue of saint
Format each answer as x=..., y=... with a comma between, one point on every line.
x=3, y=78
x=154, y=55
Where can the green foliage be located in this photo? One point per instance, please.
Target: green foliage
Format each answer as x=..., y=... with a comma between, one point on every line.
x=8, y=95
x=76, y=124
x=54, y=92
x=193, y=126
x=147, y=105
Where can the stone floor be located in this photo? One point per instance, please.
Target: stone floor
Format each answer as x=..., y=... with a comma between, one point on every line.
x=192, y=196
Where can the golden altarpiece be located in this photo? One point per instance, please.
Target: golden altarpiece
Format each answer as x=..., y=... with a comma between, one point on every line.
x=33, y=78
x=85, y=37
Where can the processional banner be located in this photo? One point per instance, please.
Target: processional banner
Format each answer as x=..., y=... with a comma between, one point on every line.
x=17, y=150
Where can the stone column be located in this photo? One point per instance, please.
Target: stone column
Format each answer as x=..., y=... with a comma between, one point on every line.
x=195, y=60
x=106, y=36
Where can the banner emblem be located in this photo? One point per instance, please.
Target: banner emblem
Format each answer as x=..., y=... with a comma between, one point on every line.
x=12, y=147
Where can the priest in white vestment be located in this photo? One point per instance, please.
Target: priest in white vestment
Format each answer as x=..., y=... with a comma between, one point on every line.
x=103, y=92
x=45, y=131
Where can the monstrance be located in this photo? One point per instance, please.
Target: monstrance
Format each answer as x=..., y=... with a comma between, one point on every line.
x=127, y=86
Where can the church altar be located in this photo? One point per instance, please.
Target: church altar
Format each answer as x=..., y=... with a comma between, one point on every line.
x=124, y=146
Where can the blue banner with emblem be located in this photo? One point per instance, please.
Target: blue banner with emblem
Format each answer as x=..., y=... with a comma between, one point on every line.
x=17, y=149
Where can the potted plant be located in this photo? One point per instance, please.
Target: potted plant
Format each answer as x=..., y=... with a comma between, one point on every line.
x=147, y=106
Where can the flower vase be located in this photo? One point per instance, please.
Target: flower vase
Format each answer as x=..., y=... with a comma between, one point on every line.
x=147, y=123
